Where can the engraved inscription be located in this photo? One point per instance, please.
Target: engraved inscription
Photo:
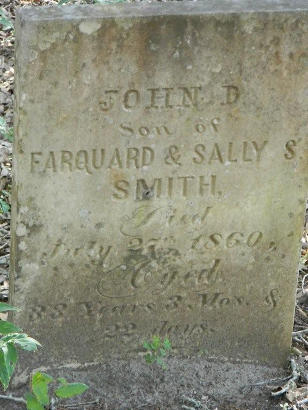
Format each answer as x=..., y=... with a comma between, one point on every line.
x=121, y=330
x=92, y=160
x=42, y=312
x=272, y=299
x=248, y=152
x=100, y=311
x=129, y=130
x=166, y=98
x=168, y=187
x=157, y=272
x=162, y=191
x=181, y=186
x=205, y=241
x=142, y=216
x=185, y=330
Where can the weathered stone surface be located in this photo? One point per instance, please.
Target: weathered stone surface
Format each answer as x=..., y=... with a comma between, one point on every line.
x=160, y=178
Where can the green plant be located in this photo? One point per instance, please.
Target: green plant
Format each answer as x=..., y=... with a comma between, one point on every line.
x=157, y=350
x=4, y=21
x=7, y=132
x=39, y=397
x=4, y=205
x=12, y=338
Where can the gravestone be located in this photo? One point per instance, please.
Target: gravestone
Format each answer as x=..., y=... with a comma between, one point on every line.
x=160, y=178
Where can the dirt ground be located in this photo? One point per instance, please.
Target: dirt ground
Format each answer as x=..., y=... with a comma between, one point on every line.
x=191, y=384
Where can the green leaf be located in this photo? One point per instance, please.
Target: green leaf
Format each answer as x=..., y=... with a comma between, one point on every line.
x=8, y=327
x=32, y=403
x=5, y=307
x=167, y=344
x=70, y=390
x=23, y=341
x=5, y=22
x=40, y=383
x=4, y=376
x=155, y=342
x=159, y=361
x=10, y=358
x=147, y=345
x=162, y=352
x=5, y=207
x=27, y=343
x=149, y=358
x=62, y=380
x=8, y=133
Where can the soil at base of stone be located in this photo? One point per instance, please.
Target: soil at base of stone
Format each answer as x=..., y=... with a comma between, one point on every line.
x=132, y=385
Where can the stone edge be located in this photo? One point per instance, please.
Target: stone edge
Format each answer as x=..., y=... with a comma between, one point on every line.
x=149, y=9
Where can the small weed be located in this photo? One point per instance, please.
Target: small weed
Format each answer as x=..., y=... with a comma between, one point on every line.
x=12, y=338
x=6, y=23
x=203, y=352
x=4, y=202
x=39, y=396
x=5, y=131
x=156, y=351
x=4, y=206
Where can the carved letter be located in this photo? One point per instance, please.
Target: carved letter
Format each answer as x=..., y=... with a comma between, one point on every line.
x=200, y=158
x=290, y=145
x=259, y=149
x=190, y=96
x=66, y=158
x=132, y=155
x=131, y=99
x=211, y=185
x=154, y=95
x=115, y=159
x=94, y=164
x=232, y=94
x=160, y=130
x=216, y=154
x=230, y=159
x=254, y=238
x=144, y=191
x=34, y=161
x=147, y=156
x=185, y=185
x=121, y=186
x=170, y=187
x=127, y=129
x=167, y=97
x=82, y=161
x=106, y=105
x=245, y=159
x=51, y=162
